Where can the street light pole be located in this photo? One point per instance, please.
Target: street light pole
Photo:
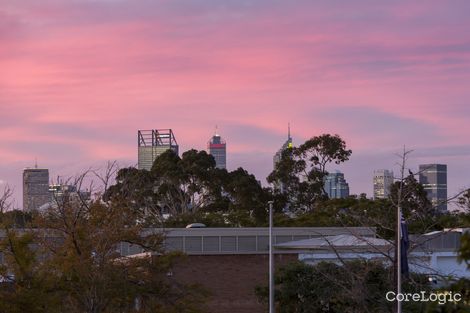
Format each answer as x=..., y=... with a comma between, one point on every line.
x=398, y=251
x=271, y=259
x=398, y=256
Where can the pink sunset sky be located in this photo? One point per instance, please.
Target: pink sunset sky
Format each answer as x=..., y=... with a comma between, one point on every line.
x=78, y=78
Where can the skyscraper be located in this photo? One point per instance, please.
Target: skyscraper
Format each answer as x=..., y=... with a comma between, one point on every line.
x=287, y=145
x=152, y=143
x=383, y=180
x=218, y=149
x=277, y=158
x=35, y=188
x=433, y=177
x=336, y=186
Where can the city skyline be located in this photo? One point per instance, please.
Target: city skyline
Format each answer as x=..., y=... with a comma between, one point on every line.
x=80, y=77
x=332, y=171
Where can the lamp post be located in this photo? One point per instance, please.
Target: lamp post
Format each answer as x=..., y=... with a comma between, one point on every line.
x=271, y=259
x=398, y=257
x=398, y=251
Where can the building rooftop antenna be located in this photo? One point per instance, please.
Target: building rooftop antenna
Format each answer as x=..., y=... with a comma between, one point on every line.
x=216, y=130
x=35, y=162
x=288, y=130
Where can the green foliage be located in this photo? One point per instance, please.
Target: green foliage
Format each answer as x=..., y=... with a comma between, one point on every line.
x=27, y=287
x=465, y=248
x=352, y=286
x=327, y=287
x=70, y=262
x=299, y=175
x=16, y=218
x=414, y=198
x=350, y=212
x=324, y=149
x=174, y=186
x=246, y=194
x=187, y=188
x=361, y=212
x=239, y=218
x=183, y=185
x=464, y=200
x=461, y=287
x=464, y=251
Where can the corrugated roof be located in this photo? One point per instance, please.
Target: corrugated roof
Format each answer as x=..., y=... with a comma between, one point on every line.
x=336, y=242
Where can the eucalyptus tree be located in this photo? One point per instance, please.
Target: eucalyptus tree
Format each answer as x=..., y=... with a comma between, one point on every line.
x=302, y=170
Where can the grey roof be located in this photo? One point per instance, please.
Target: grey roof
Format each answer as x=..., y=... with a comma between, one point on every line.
x=245, y=240
x=339, y=242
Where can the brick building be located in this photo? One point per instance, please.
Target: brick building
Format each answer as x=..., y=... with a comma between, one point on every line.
x=230, y=263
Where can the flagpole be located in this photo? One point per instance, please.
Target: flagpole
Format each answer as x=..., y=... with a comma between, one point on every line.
x=398, y=256
x=271, y=259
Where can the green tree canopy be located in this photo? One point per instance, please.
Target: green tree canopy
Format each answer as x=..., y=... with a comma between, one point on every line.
x=69, y=259
x=301, y=171
x=188, y=186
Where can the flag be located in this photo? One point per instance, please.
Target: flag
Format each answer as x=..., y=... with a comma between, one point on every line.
x=404, y=245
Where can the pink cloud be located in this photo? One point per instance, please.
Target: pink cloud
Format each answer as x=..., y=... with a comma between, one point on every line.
x=98, y=71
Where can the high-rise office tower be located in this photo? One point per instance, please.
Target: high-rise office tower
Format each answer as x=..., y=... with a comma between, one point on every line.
x=287, y=145
x=383, y=180
x=152, y=143
x=35, y=188
x=336, y=186
x=433, y=177
x=218, y=149
x=278, y=156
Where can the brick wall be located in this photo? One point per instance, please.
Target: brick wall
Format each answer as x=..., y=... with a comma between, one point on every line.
x=230, y=279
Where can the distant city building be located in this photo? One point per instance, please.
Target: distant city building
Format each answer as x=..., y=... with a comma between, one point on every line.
x=336, y=186
x=58, y=191
x=383, y=180
x=152, y=143
x=218, y=149
x=433, y=177
x=35, y=188
x=287, y=145
x=278, y=156
x=60, y=194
